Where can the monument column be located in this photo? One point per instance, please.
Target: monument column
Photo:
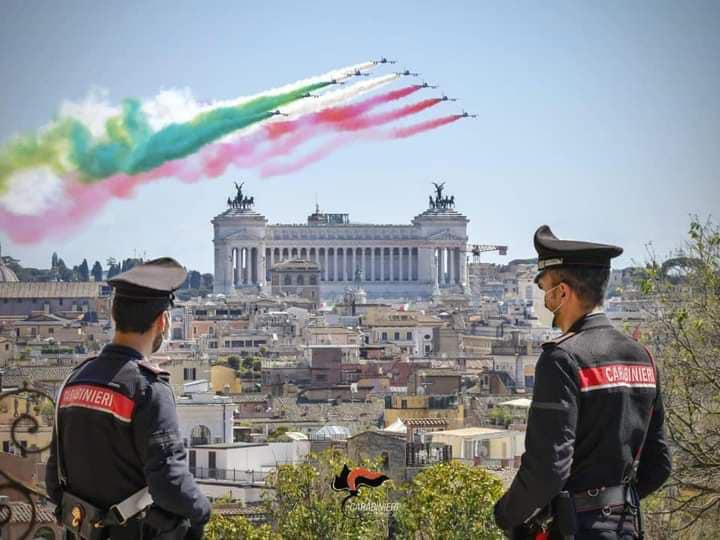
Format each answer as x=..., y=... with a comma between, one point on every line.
x=451, y=266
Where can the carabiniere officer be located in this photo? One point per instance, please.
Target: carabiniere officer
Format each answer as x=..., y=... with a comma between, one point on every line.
x=118, y=466
x=595, y=441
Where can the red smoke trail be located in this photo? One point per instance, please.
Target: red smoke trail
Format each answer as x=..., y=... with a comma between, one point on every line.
x=403, y=132
x=365, y=122
x=276, y=169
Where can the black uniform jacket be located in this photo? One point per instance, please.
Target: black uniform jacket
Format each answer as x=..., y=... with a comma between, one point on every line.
x=119, y=433
x=596, y=392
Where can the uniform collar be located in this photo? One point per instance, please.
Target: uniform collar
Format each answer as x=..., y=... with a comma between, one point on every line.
x=591, y=320
x=122, y=350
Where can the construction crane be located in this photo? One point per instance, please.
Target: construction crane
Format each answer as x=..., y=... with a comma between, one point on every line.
x=477, y=249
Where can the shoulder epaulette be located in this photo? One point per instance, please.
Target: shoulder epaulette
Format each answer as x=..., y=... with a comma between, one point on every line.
x=155, y=370
x=558, y=340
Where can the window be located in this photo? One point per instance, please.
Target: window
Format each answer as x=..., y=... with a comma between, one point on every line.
x=6, y=447
x=397, y=336
x=60, y=301
x=300, y=279
x=51, y=331
x=313, y=280
x=409, y=336
x=384, y=336
x=287, y=280
x=403, y=404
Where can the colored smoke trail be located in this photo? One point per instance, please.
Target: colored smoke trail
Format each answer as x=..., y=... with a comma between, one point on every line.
x=322, y=102
x=242, y=153
x=352, y=123
x=100, y=140
x=53, y=181
x=409, y=131
x=277, y=169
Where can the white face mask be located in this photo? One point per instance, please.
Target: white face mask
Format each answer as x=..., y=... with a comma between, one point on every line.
x=553, y=311
x=545, y=300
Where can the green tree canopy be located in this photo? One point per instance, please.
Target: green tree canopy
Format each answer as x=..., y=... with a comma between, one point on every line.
x=451, y=501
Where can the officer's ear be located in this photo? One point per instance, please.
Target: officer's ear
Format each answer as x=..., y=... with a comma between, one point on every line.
x=159, y=322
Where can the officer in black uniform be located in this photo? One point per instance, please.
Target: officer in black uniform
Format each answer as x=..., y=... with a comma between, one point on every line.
x=595, y=441
x=117, y=422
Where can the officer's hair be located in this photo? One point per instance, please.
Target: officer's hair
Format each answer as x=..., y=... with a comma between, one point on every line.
x=135, y=316
x=590, y=284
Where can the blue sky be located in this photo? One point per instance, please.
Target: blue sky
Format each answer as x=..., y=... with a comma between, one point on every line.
x=601, y=120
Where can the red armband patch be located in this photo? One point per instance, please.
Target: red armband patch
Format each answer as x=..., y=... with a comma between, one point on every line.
x=617, y=375
x=98, y=398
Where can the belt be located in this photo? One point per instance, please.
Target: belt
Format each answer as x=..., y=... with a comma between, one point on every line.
x=604, y=498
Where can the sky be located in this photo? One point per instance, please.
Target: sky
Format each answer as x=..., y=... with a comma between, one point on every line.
x=599, y=119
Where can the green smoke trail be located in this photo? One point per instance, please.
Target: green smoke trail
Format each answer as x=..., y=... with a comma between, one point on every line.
x=129, y=145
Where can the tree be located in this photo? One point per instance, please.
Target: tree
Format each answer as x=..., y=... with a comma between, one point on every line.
x=305, y=507
x=97, y=271
x=682, y=295
x=208, y=281
x=64, y=273
x=84, y=271
x=451, y=501
x=233, y=362
x=113, y=268
x=232, y=527
x=54, y=261
x=194, y=279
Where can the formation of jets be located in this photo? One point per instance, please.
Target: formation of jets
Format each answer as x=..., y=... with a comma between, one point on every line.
x=404, y=73
x=275, y=113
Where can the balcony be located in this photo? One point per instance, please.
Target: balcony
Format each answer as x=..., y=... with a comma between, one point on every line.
x=235, y=476
x=423, y=454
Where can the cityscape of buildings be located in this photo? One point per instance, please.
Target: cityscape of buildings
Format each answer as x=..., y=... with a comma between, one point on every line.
x=385, y=341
